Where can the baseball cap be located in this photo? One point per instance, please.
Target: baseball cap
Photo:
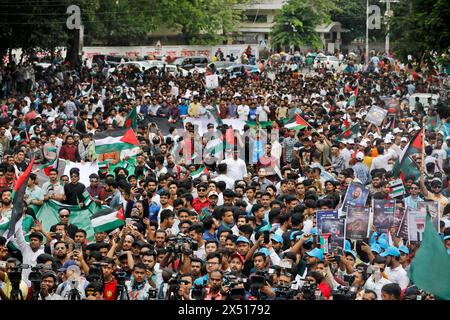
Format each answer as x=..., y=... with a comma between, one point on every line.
x=351, y=141
x=447, y=237
x=397, y=130
x=237, y=255
x=242, y=239
x=315, y=253
x=66, y=265
x=213, y=193
x=375, y=248
x=391, y=251
x=404, y=139
x=404, y=249
x=265, y=251
x=353, y=253
x=295, y=234
x=360, y=156
x=277, y=238
x=387, y=140
x=382, y=241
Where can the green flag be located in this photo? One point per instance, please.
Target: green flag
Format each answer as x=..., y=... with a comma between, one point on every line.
x=430, y=268
x=352, y=132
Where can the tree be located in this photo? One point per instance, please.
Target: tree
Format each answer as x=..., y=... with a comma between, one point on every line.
x=420, y=28
x=296, y=22
x=201, y=21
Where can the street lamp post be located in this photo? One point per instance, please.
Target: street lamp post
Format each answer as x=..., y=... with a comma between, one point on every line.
x=388, y=14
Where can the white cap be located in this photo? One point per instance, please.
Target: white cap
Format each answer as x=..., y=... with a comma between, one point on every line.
x=351, y=141
x=51, y=119
x=404, y=139
x=387, y=140
x=360, y=156
x=370, y=133
x=411, y=130
x=397, y=130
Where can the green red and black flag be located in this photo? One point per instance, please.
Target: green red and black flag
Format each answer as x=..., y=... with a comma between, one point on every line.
x=406, y=165
x=51, y=165
x=298, y=124
x=131, y=120
x=18, y=195
x=349, y=133
x=115, y=140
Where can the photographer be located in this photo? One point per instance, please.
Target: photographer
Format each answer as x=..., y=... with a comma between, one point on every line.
x=49, y=281
x=214, y=289
x=186, y=281
x=30, y=251
x=138, y=286
x=5, y=281
x=75, y=285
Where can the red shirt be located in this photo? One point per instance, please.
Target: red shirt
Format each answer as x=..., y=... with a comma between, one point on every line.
x=110, y=291
x=198, y=205
x=325, y=289
x=69, y=152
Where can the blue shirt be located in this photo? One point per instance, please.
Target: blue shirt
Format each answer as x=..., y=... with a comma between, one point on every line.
x=412, y=203
x=183, y=109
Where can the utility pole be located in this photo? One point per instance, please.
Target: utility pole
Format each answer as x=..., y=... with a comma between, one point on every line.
x=387, y=16
x=367, y=32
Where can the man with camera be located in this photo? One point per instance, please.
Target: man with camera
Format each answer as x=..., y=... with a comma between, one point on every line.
x=11, y=278
x=75, y=285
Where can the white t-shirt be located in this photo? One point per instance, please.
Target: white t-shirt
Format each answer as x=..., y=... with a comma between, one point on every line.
x=398, y=275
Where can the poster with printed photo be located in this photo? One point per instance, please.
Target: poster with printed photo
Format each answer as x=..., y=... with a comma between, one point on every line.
x=355, y=196
x=322, y=214
x=376, y=115
x=357, y=222
x=335, y=228
x=417, y=218
x=383, y=214
x=400, y=221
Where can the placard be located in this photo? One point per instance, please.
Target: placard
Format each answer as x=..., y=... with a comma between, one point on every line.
x=356, y=196
x=383, y=214
x=376, y=115
x=323, y=214
x=357, y=222
x=335, y=228
x=212, y=81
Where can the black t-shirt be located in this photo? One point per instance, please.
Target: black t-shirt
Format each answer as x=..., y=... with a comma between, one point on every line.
x=74, y=193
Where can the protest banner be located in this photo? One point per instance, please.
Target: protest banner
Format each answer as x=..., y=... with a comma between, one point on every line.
x=323, y=214
x=376, y=115
x=334, y=228
x=400, y=222
x=356, y=196
x=383, y=214
x=357, y=222
x=212, y=81
x=417, y=218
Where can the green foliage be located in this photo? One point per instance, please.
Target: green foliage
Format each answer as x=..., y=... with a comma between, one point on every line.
x=200, y=21
x=296, y=22
x=419, y=28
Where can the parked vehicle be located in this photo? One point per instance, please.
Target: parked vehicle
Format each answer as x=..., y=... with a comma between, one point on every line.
x=191, y=62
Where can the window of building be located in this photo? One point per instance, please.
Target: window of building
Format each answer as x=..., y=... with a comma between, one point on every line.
x=256, y=18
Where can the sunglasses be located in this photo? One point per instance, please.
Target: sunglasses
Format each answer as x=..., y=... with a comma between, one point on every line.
x=64, y=216
x=201, y=189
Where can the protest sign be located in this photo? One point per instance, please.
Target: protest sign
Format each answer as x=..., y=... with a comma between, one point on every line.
x=392, y=105
x=400, y=222
x=323, y=214
x=417, y=218
x=383, y=214
x=376, y=115
x=335, y=229
x=357, y=222
x=212, y=81
x=356, y=196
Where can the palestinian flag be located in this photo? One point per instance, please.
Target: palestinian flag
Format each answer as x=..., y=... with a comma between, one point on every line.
x=107, y=219
x=4, y=224
x=197, y=173
x=117, y=140
x=51, y=165
x=430, y=268
x=131, y=120
x=405, y=166
x=351, y=132
x=298, y=124
x=18, y=194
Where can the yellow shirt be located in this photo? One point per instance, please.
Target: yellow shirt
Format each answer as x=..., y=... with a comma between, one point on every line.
x=194, y=109
x=368, y=161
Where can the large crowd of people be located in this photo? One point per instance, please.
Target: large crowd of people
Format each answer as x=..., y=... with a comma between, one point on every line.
x=238, y=223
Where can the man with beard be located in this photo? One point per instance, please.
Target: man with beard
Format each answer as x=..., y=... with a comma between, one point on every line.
x=394, y=269
x=53, y=189
x=60, y=253
x=116, y=197
x=64, y=214
x=74, y=190
x=140, y=166
x=174, y=169
x=237, y=264
x=6, y=209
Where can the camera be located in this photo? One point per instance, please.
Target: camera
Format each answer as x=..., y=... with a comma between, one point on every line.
x=308, y=291
x=259, y=279
x=96, y=273
x=344, y=293
x=286, y=292
x=176, y=245
x=121, y=277
x=152, y=294
x=198, y=292
x=237, y=290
